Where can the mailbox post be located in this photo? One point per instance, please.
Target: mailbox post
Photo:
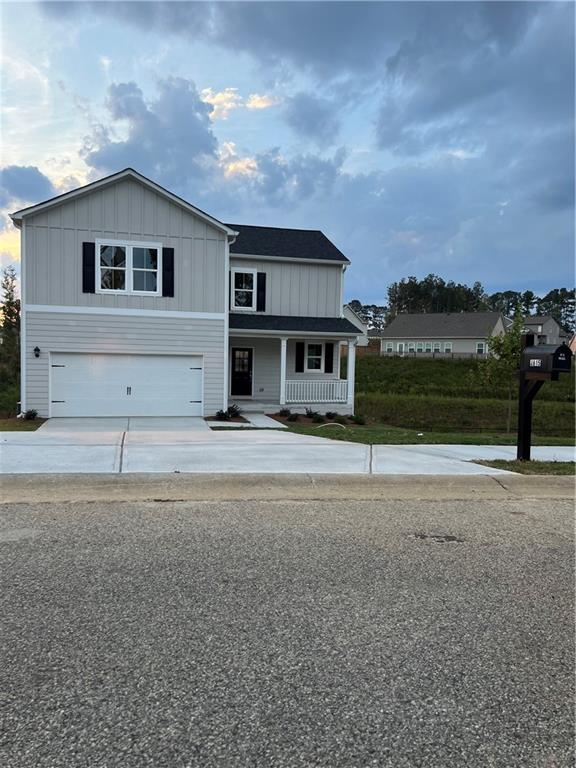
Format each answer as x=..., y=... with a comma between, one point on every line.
x=538, y=363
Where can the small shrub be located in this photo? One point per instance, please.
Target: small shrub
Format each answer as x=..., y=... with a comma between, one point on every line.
x=340, y=420
x=234, y=410
x=223, y=416
x=318, y=418
x=284, y=412
x=331, y=415
x=31, y=414
x=310, y=412
x=358, y=420
x=293, y=417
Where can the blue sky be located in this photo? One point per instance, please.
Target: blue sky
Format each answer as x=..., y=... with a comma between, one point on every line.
x=420, y=137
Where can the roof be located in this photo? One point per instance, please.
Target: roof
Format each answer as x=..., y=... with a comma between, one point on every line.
x=332, y=325
x=284, y=243
x=17, y=216
x=375, y=333
x=442, y=325
x=532, y=319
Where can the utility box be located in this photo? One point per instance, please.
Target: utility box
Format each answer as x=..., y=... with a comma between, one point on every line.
x=546, y=358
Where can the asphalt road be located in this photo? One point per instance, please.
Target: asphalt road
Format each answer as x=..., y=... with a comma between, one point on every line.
x=268, y=634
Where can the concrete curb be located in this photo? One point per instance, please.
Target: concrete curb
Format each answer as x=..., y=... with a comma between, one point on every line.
x=269, y=487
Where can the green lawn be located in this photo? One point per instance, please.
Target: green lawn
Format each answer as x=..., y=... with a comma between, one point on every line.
x=20, y=425
x=386, y=435
x=533, y=467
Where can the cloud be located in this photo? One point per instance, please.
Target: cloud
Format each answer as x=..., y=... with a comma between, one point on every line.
x=222, y=102
x=313, y=117
x=23, y=184
x=234, y=165
x=261, y=101
x=169, y=138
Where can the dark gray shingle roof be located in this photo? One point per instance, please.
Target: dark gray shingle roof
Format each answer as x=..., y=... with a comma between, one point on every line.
x=250, y=322
x=284, y=243
x=442, y=325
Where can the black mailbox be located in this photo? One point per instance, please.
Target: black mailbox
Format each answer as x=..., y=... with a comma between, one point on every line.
x=546, y=358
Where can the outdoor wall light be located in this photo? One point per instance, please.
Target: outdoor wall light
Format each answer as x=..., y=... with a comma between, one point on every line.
x=36, y=351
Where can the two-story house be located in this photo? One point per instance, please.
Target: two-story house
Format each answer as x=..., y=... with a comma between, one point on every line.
x=545, y=328
x=137, y=303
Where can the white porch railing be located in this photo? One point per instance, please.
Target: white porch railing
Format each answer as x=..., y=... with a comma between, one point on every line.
x=326, y=391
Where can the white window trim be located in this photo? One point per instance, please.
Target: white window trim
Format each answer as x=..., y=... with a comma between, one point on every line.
x=427, y=346
x=233, y=273
x=129, y=290
x=436, y=346
x=483, y=350
x=322, y=361
x=447, y=346
x=419, y=346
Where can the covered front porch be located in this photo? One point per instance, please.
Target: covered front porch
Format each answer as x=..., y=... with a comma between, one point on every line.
x=269, y=372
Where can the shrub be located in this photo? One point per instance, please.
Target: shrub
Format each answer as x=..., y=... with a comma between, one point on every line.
x=293, y=417
x=357, y=419
x=331, y=415
x=284, y=412
x=340, y=420
x=317, y=418
x=310, y=412
x=30, y=414
x=234, y=410
x=9, y=398
x=223, y=416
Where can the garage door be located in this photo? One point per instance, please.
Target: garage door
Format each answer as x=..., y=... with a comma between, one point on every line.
x=125, y=385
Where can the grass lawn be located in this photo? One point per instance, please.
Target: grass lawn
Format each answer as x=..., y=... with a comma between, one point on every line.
x=20, y=425
x=380, y=434
x=533, y=467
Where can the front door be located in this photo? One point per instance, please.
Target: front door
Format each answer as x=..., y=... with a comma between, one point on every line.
x=241, y=378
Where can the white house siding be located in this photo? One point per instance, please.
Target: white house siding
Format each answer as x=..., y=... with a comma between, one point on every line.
x=125, y=210
x=75, y=332
x=465, y=347
x=299, y=289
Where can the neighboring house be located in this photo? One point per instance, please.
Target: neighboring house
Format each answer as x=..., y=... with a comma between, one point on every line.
x=545, y=329
x=456, y=334
x=356, y=320
x=136, y=303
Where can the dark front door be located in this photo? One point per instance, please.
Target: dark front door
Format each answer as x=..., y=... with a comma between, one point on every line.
x=241, y=379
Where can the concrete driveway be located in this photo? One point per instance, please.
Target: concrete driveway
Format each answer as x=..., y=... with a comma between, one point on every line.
x=120, y=445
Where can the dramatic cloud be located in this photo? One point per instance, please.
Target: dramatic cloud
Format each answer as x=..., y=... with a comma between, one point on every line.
x=23, y=184
x=222, y=102
x=313, y=117
x=169, y=138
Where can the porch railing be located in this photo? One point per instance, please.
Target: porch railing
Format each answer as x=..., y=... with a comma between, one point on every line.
x=327, y=391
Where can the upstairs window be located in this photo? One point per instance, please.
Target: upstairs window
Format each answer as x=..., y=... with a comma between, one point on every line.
x=128, y=268
x=244, y=289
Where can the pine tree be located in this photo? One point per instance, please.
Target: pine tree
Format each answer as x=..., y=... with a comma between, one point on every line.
x=9, y=329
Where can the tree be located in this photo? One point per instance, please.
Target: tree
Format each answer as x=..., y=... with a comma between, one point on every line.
x=503, y=360
x=371, y=314
x=560, y=304
x=9, y=328
x=528, y=301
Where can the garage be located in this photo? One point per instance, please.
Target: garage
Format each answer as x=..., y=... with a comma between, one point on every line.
x=125, y=385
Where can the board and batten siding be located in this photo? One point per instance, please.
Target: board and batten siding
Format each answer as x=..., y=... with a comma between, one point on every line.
x=74, y=332
x=125, y=210
x=298, y=289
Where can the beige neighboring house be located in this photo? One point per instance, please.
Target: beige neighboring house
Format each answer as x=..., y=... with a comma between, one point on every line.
x=446, y=334
x=356, y=320
x=546, y=330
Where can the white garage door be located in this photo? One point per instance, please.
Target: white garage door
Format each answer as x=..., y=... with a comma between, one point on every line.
x=125, y=385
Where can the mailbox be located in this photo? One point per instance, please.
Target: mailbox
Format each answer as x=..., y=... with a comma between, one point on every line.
x=546, y=358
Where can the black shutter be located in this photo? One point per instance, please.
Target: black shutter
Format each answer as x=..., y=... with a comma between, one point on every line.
x=299, y=357
x=167, y=271
x=329, y=357
x=88, y=267
x=261, y=292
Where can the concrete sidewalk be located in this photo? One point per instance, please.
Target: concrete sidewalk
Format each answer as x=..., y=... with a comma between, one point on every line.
x=123, y=446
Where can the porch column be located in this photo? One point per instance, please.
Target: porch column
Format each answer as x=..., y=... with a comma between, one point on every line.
x=283, y=345
x=351, y=370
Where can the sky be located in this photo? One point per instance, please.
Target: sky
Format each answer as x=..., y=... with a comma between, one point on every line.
x=418, y=136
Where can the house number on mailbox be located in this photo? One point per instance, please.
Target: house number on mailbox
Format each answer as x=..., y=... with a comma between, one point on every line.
x=535, y=363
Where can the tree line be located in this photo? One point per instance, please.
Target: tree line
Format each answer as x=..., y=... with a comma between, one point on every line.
x=434, y=294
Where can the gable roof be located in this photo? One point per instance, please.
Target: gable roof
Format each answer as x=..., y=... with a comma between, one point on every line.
x=531, y=319
x=112, y=179
x=442, y=325
x=284, y=243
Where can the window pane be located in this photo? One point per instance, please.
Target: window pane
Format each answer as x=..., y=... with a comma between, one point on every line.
x=145, y=258
x=314, y=350
x=244, y=280
x=243, y=298
x=113, y=279
x=314, y=363
x=112, y=256
x=144, y=281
